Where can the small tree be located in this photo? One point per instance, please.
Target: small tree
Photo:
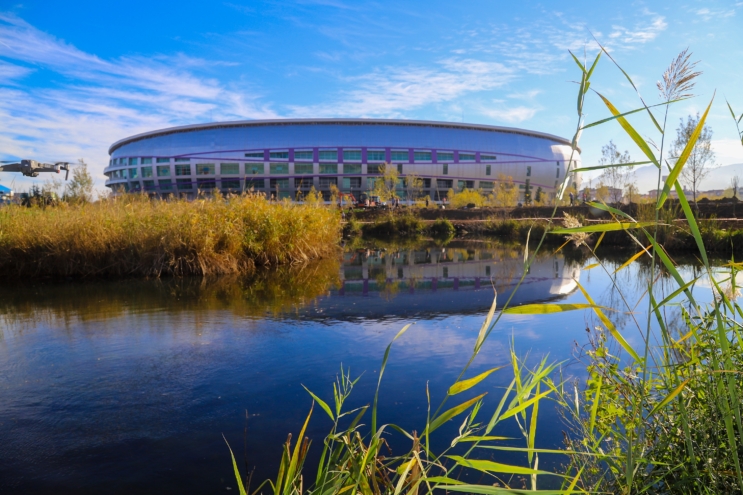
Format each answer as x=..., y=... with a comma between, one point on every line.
x=701, y=159
x=506, y=193
x=539, y=196
x=413, y=186
x=80, y=187
x=616, y=178
x=386, y=186
x=734, y=183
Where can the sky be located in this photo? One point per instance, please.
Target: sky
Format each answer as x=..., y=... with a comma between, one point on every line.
x=77, y=76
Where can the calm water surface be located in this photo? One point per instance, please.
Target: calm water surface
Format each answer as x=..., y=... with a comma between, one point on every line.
x=128, y=387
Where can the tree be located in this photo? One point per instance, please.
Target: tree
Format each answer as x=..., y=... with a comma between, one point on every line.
x=413, y=185
x=386, y=186
x=538, y=197
x=615, y=178
x=734, y=184
x=701, y=159
x=506, y=192
x=80, y=187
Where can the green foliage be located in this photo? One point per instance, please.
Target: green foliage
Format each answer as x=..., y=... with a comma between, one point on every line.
x=442, y=228
x=79, y=188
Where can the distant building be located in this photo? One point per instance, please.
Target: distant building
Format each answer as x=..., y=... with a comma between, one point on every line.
x=6, y=194
x=282, y=158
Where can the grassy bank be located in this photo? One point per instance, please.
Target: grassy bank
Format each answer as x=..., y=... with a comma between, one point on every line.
x=132, y=236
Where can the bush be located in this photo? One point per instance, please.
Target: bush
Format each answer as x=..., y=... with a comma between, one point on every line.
x=442, y=228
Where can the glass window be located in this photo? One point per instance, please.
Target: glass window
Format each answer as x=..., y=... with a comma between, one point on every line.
x=399, y=168
x=303, y=155
x=205, y=169
x=146, y=161
x=444, y=183
x=133, y=173
x=149, y=185
x=521, y=186
x=486, y=184
x=163, y=171
x=351, y=183
x=487, y=270
x=229, y=168
x=254, y=168
x=280, y=183
x=352, y=154
x=444, y=156
x=303, y=183
x=279, y=155
x=279, y=168
x=165, y=185
x=303, y=168
x=183, y=170
x=253, y=184
x=400, y=156
x=206, y=184
x=231, y=184
x=487, y=169
x=331, y=155
x=136, y=186
x=328, y=181
x=528, y=171
x=558, y=173
x=373, y=168
x=184, y=184
x=351, y=168
x=163, y=160
x=466, y=157
x=146, y=171
x=422, y=156
x=488, y=157
x=375, y=155
x=132, y=161
x=426, y=183
x=328, y=168
x=255, y=154
x=446, y=169
x=183, y=159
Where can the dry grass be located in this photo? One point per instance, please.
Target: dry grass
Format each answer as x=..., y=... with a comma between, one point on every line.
x=133, y=236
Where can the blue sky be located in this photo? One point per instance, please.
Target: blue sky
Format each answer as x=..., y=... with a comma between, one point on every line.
x=75, y=77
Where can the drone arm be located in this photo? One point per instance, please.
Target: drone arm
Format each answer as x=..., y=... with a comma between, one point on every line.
x=10, y=167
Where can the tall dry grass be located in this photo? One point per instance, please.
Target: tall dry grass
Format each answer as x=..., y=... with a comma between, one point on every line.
x=133, y=236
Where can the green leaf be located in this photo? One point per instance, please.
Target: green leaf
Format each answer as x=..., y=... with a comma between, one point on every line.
x=633, y=259
x=671, y=180
x=582, y=68
x=485, y=325
x=449, y=414
x=609, y=119
x=381, y=372
x=619, y=213
x=471, y=382
x=669, y=397
x=524, y=405
x=543, y=309
x=692, y=223
x=593, y=66
x=240, y=485
x=322, y=403
x=615, y=165
x=442, y=479
x=485, y=438
x=609, y=325
x=494, y=467
x=630, y=131
x=602, y=227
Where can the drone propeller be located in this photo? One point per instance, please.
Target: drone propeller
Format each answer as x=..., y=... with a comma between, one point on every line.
x=66, y=167
x=9, y=161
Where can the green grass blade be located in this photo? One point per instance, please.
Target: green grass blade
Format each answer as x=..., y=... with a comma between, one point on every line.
x=485, y=325
x=322, y=403
x=381, y=372
x=631, y=132
x=494, y=490
x=471, y=382
x=291, y=472
x=494, y=467
x=533, y=427
x=692, y=223
x=450, y=413
x=524, y=405
x=496, y=415
x=593, y=66
x=619, y=213
x=673, y=175
x=240, y=485
x=603, y=227
x=582, y=68
x=609, y=325
x=485, y=438
x=615, y=165
x=609, y=119
x=660, y=405
x=633, y=259
x=595, y=406
x=543, y=309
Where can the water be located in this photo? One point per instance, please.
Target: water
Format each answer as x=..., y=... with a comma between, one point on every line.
x=128, y=387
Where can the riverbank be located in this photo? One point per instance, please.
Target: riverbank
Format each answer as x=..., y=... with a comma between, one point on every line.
x=132, y=236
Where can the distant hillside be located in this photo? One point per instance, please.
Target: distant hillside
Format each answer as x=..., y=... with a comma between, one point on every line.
x=646, y=177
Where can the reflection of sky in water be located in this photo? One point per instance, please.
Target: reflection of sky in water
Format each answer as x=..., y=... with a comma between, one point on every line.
x=130, y=386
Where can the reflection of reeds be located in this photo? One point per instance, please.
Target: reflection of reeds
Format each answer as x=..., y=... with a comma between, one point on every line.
x=136, y=237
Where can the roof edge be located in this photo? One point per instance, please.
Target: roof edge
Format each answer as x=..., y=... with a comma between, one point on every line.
x=276, y=122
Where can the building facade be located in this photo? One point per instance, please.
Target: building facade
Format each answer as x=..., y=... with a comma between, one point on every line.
x=286, y=158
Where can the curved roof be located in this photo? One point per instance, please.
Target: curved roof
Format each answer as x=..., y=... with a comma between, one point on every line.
x=279, y=122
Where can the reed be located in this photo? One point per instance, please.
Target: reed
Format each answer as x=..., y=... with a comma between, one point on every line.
x=133, y=236
x=664, y=417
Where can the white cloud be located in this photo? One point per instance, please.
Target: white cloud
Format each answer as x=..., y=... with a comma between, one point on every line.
x=511, y=115
x=639, y=34
x=391, y=92
x=107, y=100
x=727, y=151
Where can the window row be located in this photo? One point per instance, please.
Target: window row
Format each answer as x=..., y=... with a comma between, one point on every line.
x=326, y=155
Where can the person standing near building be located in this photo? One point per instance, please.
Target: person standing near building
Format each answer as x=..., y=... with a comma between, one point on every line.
x=572, y=198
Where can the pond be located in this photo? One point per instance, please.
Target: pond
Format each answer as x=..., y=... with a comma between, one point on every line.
x=128, y=387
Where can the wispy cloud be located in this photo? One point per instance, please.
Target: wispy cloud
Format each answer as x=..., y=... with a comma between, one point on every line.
x=394, y=91
x=102, y=100
x=638, y=34
x=512, y=115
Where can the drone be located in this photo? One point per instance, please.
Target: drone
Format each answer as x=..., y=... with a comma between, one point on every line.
x=32, y=168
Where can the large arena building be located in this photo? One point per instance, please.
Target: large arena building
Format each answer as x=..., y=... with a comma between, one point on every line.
x=286, y=158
